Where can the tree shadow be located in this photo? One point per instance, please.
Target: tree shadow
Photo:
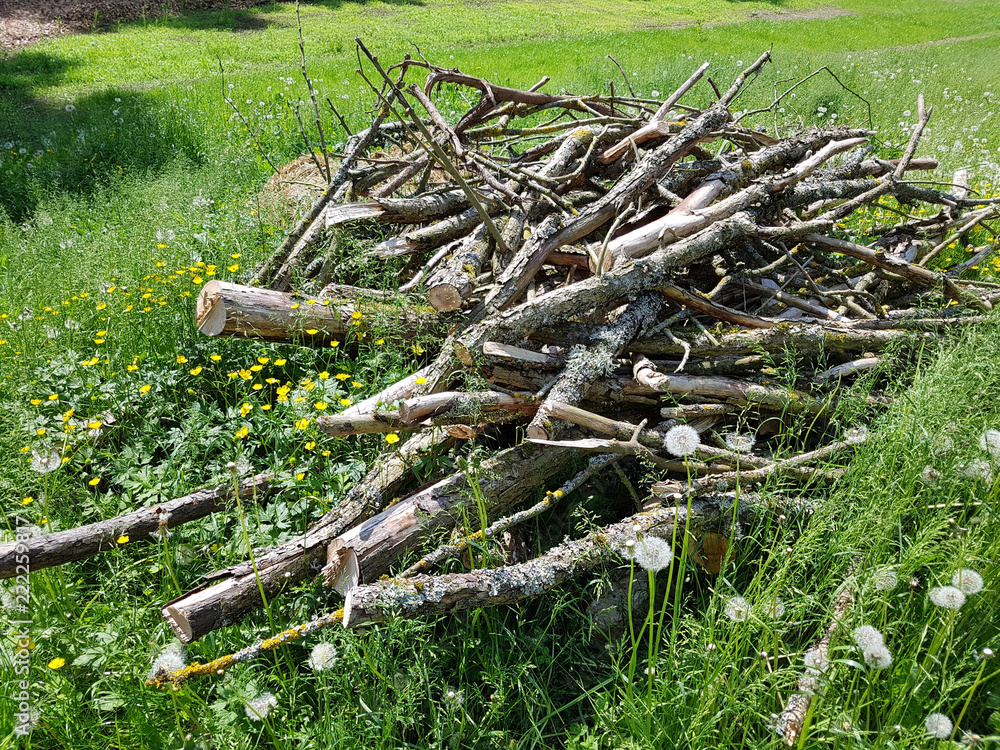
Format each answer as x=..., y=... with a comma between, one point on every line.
x=50, y=146
x=260, y=17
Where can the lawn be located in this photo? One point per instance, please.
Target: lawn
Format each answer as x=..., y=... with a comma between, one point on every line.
x=128, y=181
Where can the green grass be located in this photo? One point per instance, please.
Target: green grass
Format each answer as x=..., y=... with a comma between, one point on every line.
x=137, y=180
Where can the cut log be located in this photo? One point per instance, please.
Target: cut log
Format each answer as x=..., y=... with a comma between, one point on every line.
x=425, y=596
x=452, y=282
x=367, y=551
x=82, y=542
x=225, y=309
x=236, y=591
x=415, y=210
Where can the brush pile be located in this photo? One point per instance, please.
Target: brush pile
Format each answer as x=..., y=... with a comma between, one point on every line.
x=619, y=277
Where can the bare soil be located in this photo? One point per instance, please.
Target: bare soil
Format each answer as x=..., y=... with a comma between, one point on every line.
x=24, y=22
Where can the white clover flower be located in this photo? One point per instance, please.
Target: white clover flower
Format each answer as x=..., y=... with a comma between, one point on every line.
x=740, y=442
x=258, y=708
x=170, y=659
x=816, y=659
x=868, y=636
x=45, y=461
x=886, y=580
x=938, y=725
x=322, y=657
x=857, y=435
x=681, y=440
x=990, y=442
x=738, y=609
x=947, y=597
x=653, y=553
x=878, y=657
x=967, y=581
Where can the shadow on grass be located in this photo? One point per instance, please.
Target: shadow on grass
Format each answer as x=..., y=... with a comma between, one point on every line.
x=49, y=146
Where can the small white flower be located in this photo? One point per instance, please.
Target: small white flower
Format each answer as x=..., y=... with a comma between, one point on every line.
x=653, y=553
x=868, y=636
x=886, y=580
x=322, y=657
x=681, y=440
x=740, y=442
x=947, y=597
x=990, y=442
x=170, y=659
x=967, y=581
x=258, y=708
x=938, y=725
x=738, y=609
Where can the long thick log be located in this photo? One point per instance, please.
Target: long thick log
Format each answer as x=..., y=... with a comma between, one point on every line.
x=399, y=210
x=86, y=541
x=452, y=282
x=362, y=554
x=225, y=309
x=230, y=595
x=425, y=596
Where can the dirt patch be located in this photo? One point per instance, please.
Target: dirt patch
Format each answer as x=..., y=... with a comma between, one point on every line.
x=947, y=40
x=821, y=13
x=23, y=22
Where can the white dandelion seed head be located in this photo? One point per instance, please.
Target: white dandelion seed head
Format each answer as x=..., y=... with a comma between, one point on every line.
x=165, y=235
x=740, y=442
x=322, y=657
x=856, y=435
x=45, y=461
x=681, y=440
x=990, y=442
x=938, y=725
x=977, y=470
x=967, y=581
x=886, y=580
x=454, y=698
x=774, y=610
x=878, y=657
x=738, y=609
x=948, y=597
x=930, y=475
x=258, y=708
x=653, y=553
x=170, y=659
x=814, y=658
x=868, y=636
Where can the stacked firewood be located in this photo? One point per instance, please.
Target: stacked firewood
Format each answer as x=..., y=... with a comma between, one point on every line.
x=620, y=276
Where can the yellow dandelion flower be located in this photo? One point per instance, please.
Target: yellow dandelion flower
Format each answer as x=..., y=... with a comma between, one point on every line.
x=356, y=384
x=280, y=362
x=346, y=402
x=302, y=423
x=263, y=360
x=101, y=305
x=215, y=357
x=94, y=482
x=321, y=405
x=37, y=401
x=196, y=370
x=233, y=268
x=380, y=342
x=312, y=331
x=265, y=407
x=99, y=341
x=57, y=663
x=181, y=359
x=418, y=349
x=326, y=454
x=145, y=389
x=235, y=256
x=256, y=368
x=295, y=305
x=334, y=344
x=356, y=315
x=310, y=445
x=342, y=376
x=54, y=397
x=242, y=432
x=28, y=500
x=25, y=449
x=257, y=386
x=322, y=376
x=310, y=302
x=391, y=438
x=245, y=409
x=95, y=424
x=420, y=381
x=40, y=431
x=132, y=368
x=123, y=539
x=300, y=476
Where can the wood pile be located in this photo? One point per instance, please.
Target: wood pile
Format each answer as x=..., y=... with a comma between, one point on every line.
x=620, y=276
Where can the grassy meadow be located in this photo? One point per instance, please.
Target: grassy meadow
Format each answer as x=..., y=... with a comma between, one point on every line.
x=127, y=182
